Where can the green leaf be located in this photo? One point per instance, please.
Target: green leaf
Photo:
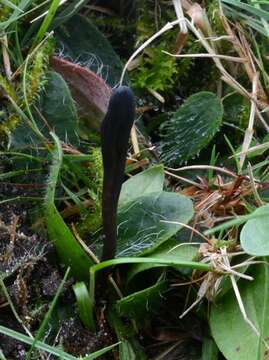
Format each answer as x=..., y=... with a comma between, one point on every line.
x=17, y=13
x=47, y=317
x=57, y=107
x=39, y=344
x=254, y=235
x=68, y=249
x=146, y=182
x=89, y=90
x=53, y=350
x=171, y=249
x=209, y=350
x=11, y=5
x=129, y=348
x=80, y=39
x=46, y=22
x=191, y=128
x=234, y=337
x=139, y=222
x=259, y=13
x=137, y=260
x=85, y=307
x=142, y=303
x=99, y=353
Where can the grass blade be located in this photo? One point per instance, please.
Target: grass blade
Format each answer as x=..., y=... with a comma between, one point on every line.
x=68, y=249
x=11, y=5
x=45, y=321
x=85, y=306
x=46, y=22
x=39, y=344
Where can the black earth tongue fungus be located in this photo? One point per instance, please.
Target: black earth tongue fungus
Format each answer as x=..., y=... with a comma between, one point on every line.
x=115, y=133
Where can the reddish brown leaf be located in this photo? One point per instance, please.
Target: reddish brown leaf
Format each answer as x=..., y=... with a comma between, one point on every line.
x=89, y=90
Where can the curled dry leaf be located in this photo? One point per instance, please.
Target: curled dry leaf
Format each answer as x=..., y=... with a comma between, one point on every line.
x=199, y=18
x=88, y=89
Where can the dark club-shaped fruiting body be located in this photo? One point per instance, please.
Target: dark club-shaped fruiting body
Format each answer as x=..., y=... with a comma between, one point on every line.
x=115, y=133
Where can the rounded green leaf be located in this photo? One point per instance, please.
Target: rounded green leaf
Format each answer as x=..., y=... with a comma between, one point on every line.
x=148, y=181
x=191, y=127
x=254, y=236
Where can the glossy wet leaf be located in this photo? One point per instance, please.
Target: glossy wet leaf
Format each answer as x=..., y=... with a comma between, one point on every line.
x=234, y=337
x=254, y=236
x=190, y=128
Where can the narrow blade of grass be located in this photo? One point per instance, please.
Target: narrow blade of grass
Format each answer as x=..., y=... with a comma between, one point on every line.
x=100, y=352
x=39, y=344
x=45, y=321
x=11, y=5
x=85, y=307
x=137, y=260
x=68, y=249
x=46, y=22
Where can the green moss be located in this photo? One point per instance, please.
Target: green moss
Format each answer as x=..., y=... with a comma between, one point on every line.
x=93, y=219
x=35, y=81
x=96, y=170
x=7, y=88
x=156, y=71
x=36, y=73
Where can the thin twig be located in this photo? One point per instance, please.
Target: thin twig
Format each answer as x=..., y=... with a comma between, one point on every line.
x=95, y=259
x=205, y=167
x=6, y=60
x=188, y=227
x=254, y=187
x=165, y=28
x=4, y=289
x=83, y=245
x=224, y=57
x=184, y=180
x=182, y=36
x=134, y=140
x=249, y=130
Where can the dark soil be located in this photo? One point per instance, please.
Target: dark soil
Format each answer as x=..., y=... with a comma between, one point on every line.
x=32, y=276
